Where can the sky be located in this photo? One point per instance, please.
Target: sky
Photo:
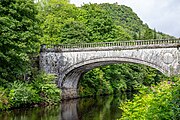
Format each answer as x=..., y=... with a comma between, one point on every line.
x=163, y=15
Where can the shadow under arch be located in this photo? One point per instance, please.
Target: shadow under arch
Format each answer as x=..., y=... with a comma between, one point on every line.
x=74, y=72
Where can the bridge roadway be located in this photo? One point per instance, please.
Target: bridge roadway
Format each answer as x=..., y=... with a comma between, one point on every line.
x=70, y=61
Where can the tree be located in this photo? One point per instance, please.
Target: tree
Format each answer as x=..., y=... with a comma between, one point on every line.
x=18, y=37
x=74, y=32
x=155, y=34
x=54, y=14
x=99, y=24
x=148, y=34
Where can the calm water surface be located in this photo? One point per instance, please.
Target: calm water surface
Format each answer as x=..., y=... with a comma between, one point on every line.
x=99, y=108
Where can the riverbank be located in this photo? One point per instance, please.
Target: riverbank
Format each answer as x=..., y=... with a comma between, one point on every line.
x=158, y=102
x=95, y=108
x=40, y=91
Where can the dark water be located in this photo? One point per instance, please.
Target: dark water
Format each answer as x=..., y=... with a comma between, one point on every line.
x=99, y=108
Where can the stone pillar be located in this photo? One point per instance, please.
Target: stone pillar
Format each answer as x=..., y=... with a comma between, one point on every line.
x=69, y=93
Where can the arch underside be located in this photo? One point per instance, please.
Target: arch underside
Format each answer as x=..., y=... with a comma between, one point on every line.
x=73, y=73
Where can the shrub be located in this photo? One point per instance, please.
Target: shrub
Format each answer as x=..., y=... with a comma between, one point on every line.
x=157, y=103
x=4, y=102
x=22, y=93
x=46, y=88
x=176, y=100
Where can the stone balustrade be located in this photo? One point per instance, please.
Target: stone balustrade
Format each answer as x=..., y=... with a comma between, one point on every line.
x=131, y=43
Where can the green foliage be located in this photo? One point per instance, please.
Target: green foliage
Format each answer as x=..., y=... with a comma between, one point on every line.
x=21, y=93
x=160, y=102
x=100, y=25
x=117, y=78
x=4, y=101
x=41, y=90
x=148, y=34
x=176, y=98
x=46, y=88
x=74, y=32
x=18, y=38
x=58, y=18
x=95, y=84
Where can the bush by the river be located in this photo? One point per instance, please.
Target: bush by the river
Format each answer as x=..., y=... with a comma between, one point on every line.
x=23, y=93
x=160, y=102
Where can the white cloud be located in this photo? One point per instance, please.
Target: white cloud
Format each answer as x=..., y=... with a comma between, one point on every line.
x=164, y=15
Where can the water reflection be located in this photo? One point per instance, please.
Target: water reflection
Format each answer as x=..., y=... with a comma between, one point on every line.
x=99, y=108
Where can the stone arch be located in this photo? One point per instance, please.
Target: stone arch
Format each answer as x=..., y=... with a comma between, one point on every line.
x=74, y=72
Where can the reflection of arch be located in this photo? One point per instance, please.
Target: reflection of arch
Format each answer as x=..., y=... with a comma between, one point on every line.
x=74, y=72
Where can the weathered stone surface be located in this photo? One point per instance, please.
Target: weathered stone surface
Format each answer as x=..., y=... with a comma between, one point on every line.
x=70, y=65
x=68, y=93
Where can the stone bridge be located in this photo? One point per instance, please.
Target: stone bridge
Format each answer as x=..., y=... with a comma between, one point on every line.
x=70, y=61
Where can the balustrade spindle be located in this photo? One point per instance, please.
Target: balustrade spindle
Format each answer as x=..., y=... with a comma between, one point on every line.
x=91, y=45
x=126, y=43
x=117, y=43
x=146, y=42
x=157, y=42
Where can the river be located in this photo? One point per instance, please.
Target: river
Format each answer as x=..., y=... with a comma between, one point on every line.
x=97, y=108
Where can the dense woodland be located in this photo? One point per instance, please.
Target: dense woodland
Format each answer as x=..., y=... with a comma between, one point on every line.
x=25, y=25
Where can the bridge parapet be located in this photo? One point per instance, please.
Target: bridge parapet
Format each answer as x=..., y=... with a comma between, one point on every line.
x=132, y=44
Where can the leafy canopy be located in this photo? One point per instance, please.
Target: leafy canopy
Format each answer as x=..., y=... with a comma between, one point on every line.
x=18, y=37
